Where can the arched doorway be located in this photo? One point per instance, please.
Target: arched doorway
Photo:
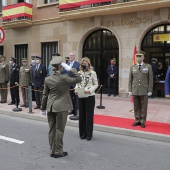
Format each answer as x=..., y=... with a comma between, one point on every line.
x=101, y=46
x=156, y=44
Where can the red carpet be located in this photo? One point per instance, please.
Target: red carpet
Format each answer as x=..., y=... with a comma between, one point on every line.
x=154, y=127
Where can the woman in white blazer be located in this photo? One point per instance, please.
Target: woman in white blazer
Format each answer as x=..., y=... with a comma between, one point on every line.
x=86, y=104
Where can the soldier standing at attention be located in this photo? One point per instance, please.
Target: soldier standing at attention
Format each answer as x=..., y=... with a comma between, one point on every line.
x=14, y=80
x=4, y=79
x=140, y=87
x=57, y=102
x=25, y=80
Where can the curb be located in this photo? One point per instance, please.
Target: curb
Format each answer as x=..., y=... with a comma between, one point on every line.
x=108, y=129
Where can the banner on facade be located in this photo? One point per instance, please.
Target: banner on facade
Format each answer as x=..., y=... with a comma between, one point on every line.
x=66, y=4
x=161, y=37
x=16, y=11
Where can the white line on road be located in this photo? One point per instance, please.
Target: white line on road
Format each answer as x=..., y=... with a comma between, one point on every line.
x=11, y=140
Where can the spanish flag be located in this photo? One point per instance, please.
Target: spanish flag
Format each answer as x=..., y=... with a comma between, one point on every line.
x=66, y=4
x=17, y=10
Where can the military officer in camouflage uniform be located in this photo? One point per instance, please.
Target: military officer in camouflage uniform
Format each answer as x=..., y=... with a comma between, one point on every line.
x=140, y=86
x=4, y=79
x=25, y=80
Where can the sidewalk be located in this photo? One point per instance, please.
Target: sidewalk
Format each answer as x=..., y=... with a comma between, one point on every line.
x=115, y=108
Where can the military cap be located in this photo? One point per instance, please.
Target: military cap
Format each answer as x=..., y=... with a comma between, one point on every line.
x=56, y=60
x=13, y=59
x=1, y=56
x=154, y=60
x=67, y=58
x=140, y=52
x=37, y=57
x=56, y=54
x=33, y=57
x=24, y=59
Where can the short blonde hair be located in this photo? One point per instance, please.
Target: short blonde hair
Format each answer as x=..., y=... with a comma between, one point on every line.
x=88, y=61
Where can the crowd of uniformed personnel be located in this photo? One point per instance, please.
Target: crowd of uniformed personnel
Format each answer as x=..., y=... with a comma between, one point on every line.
x=23, y=77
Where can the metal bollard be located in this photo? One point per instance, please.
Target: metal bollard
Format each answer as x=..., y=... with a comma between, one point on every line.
x=30, y=98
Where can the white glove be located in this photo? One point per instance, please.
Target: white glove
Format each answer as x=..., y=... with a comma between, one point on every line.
x=66, y=67
x=16, y=83
x=130, y=93
x=42, y=112
x=113, y=75
x=149, y=94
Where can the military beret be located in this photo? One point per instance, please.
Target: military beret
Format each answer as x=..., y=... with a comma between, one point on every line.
x=56, y=60
x=24, y=59
x=140, y=52
x=13, y=59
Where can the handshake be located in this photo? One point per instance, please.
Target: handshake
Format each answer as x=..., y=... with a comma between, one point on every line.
x=66, y=67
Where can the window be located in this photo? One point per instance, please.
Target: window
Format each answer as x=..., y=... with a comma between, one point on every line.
x=47, y=50
x=50, y=1
x=1, y=50
x=21, y=51
x=2, y=3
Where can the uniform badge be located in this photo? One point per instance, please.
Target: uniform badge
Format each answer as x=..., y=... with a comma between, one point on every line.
x=40, y=71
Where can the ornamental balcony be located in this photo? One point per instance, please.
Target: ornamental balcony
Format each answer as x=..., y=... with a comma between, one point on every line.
x=90, y=8
x=17, y=15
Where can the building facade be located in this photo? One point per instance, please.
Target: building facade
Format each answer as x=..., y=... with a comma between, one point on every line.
x=100, y=31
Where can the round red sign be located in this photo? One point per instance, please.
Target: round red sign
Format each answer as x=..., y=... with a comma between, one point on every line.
x=2, y=35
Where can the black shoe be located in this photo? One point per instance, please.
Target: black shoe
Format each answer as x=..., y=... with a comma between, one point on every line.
x=37, y=107
x=62, y=155
x=51, y=155
x=109, y=94
x=88, y=138
x=142, y=125
x=114, y=95
x=2, y=102
x=11, y=103
x=136, y=123
x=71, y=112
x=82, y=137
x=23, y=105
x=26, y=106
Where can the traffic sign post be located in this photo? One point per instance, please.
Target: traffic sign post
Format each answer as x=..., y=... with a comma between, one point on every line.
x=2, y=35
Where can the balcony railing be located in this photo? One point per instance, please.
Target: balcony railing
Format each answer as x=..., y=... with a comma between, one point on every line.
x=17, y=15
x=87, y=4
x=80, y=8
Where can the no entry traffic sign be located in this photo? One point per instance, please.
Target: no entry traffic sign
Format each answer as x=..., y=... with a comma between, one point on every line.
x=2, y=35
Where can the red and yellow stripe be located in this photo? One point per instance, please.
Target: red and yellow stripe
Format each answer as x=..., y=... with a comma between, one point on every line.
x=76, y=3
x=17, y=10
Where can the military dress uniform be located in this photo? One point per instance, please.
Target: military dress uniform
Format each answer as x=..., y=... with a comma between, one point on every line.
x=57, y=102
x=25, y=75
x=14, y=79
x=4, y=79
x=140, y=83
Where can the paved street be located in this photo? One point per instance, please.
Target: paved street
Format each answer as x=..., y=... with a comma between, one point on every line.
x=105, y=152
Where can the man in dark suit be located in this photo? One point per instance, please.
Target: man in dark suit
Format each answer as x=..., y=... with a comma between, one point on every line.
x=154, y=71
x=167, y=83
x=14, y=80
x=39, y=73
x=73, y=64
x=112, y=77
